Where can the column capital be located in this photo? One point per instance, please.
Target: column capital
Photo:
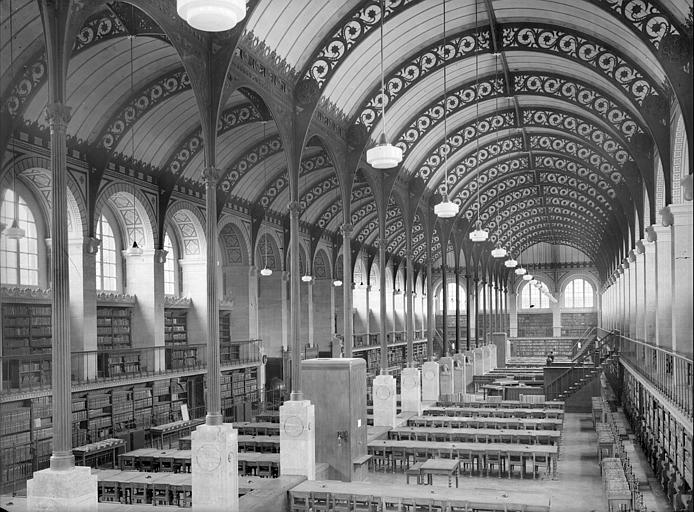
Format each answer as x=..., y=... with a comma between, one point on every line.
x=91, y=244
x=632, y=256
x=651, y=235
x=252, y=271
x=686, y=183
x=639, y=246
x=347, y=228
x=160, y=255
x=666, y=216
x=294, y=208
x=681, y=214
x=58, y=115
x=210, y=175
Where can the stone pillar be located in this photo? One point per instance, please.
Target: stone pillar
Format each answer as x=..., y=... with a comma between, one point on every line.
x=240, y=281
x=492, y=319
x=193, y=272
x=513, y=316
x=476, y=319
x=484, y=324
x=430, y=381
x=663, y=257
x=347, y=286
x=253, y=310
x=62, y=487
x=683, y=274
x=311, y=317
x=384, y=400
x=556, y=318
x=640, y=291
x=83, y=305
x=410, y=390
x=633, y=294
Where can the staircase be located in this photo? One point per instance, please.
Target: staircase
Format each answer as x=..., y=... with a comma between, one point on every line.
x=581, y=371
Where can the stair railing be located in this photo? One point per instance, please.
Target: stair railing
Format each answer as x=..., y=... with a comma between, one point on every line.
x=582, y=341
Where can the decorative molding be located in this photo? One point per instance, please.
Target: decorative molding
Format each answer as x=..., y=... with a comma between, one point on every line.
x=119, y=299
x=171, y=301
x=26, y=294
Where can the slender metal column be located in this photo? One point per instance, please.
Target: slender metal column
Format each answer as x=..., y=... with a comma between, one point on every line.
x=210, y=175
x=409, y=314
x=457, y=310
x=496, y=308
x=294, y=300
x=62, y=458
x=477, y=311
x=383, y=306
x=430, y=307
x=491, y=308
x=347, y=286
x=485, y=316
x=468, y=305
x=445, y=309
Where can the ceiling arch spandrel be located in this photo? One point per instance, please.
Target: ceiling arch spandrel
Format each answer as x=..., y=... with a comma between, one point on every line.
x=361, y=197
x=293, y=30
x=90, y=96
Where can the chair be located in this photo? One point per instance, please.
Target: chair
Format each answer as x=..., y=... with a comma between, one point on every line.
x=365, y=503
x=465, y=458
x=414, y=471
x=421, y=455
x=341, y=502
x=298, y=501
x=379, y=459
x=391, y=504
x=540, y=460
x=264, y=469
x=320, y=502
x=516, y=460
x=493, y=459
x=399, y=455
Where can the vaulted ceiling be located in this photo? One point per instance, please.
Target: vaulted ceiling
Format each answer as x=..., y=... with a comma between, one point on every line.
x=555, y=113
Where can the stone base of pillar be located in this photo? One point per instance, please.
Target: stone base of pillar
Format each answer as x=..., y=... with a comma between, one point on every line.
x=63, y=491
x=384, y=400
x=446, y=377
x=430, y=381
x=477, y=362
x=214, y=467
x=411, y=390
x=298, y=438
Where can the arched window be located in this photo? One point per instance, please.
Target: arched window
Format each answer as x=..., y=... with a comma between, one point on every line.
x=169, y=267
x=106, y=267
x=451, y=298
x=19, y=259
x=533, y=298
x=578, y=294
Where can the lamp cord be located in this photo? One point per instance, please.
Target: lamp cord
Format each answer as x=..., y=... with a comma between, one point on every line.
x=445, y=107
x=477, y=121
x=383, y=86
x=132, y=130
x=265, y=178
x=14, y=169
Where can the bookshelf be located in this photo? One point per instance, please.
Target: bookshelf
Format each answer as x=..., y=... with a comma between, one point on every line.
x=113, y=328
x=26, y=329
x=224, y=327
x=240, y=396
x=178, y=353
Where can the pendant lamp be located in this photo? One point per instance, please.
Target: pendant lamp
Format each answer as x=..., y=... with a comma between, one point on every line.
x=337, y=282
x=306, y=278
x=520, y=271
x=510, y=262
x=383, y=155
x=14, y=232
x=479, y=234
x=134, y=249
x=498, y=251
x=265, y=271
x=446, y=209
x=527, y=277
x=211, y=15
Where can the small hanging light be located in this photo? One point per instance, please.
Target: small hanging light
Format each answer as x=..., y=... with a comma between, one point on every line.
x=14, y=232
x=499, y=252
x=134, y=249
x=266, y=271
x=527, y=277
x=383, y=155
x=306, y=278
x=520, y=271
x=479, y=234
x=212, y=15
x=337, y=282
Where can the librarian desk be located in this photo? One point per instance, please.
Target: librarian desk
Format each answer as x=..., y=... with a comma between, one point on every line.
x=419, y=451
x=495, y=412
x=485, y=422
x=475, y=435
x=504, y=404
x=100, y=454
x=378, y=496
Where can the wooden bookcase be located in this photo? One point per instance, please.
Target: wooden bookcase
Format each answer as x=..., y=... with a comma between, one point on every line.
x=178, y=353
x=26, y=331
x=113, y=328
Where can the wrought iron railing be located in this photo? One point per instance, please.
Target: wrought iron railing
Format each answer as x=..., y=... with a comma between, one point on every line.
x=667, y=371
